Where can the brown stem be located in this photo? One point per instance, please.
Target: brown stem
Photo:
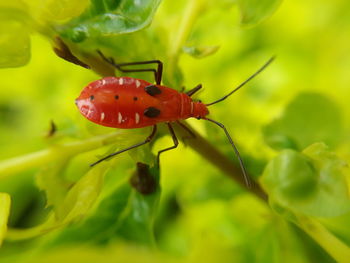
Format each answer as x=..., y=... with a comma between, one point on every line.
x=211, y=153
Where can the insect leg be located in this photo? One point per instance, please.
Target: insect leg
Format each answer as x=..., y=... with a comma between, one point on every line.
x=194, y=90
x=157, y=72
x=148, y=139
x=175, y=140
x=245, y=175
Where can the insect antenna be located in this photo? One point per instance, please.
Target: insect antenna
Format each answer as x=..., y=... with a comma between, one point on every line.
x=245, y=175
x=244, y=82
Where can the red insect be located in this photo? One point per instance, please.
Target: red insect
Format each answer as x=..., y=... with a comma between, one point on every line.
x=127, y=103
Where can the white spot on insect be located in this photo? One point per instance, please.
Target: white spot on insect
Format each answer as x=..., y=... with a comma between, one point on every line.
x=103, y=81
x=89, y=112
x=138, y=83
x=102, y=116
x=121, y=81
x=137, y=118
x=120, y=117
x=182, y=106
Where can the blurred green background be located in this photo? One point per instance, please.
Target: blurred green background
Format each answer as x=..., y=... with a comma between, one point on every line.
x=200, y=214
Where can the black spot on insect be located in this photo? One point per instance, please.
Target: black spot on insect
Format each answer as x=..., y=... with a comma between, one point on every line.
x=135, y=98
x=151, y=112
x=116, y=97
x=92, y=97
x=153, y=90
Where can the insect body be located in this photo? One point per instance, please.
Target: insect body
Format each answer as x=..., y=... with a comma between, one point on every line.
x=126, y=103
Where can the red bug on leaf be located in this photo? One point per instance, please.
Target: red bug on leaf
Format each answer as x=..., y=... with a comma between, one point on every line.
x=127, y=103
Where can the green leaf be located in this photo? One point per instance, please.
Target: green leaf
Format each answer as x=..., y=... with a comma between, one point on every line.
x=126, y=48
x=76, y=205
x=83, y=195
x=270, y=241
x=114, y=252
x=49, y=179
x=255, y=11
x=200, y=52
x=339, y=226
x=5, y=202
x=138, y=224
x=101, y=224
x=303, y=123
x=291, y=176
x=121, y=211
x=108, y=18
x=312, y=183
x=14, y=37
x=56, y=10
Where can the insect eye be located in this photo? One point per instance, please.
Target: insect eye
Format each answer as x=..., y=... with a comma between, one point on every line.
x=116, y=97
x=92, y=97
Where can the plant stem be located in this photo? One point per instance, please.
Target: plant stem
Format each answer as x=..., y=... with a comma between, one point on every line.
x=330, y=243
x=211, y=153
x=32, y=160
x=5, y=203
x=187, y=21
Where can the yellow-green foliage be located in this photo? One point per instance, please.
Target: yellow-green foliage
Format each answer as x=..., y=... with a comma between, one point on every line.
x=291, y=125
